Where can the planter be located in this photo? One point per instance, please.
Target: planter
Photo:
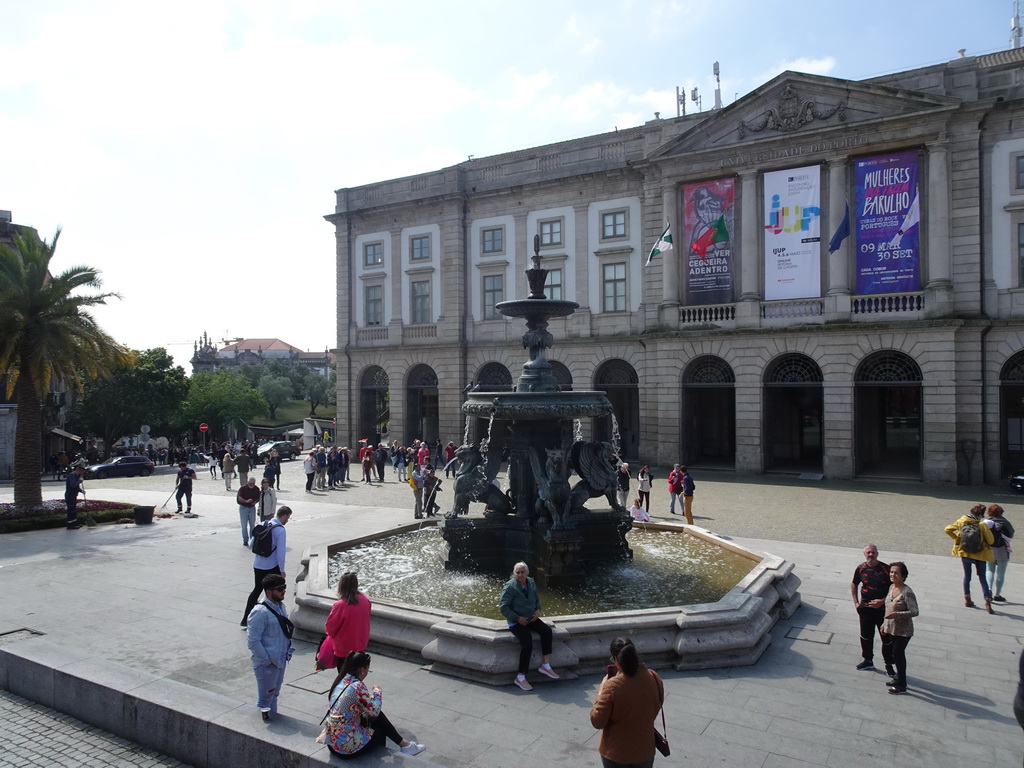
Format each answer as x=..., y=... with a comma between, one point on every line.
x=144, y=515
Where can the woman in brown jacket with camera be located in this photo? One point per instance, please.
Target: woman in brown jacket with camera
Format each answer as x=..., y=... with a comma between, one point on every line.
x=629, y=699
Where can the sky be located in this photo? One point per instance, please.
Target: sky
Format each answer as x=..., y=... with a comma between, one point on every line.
x=190, y=151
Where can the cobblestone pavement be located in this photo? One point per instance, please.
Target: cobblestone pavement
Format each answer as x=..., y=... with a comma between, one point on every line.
x=139, y=595
x=33, y=735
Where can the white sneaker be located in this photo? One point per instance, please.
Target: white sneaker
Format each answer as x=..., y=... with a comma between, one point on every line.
x=522, y=683
x=412, y=749
x=547, y=671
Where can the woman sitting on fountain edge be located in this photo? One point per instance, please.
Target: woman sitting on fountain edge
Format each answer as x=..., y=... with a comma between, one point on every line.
x=520, y=605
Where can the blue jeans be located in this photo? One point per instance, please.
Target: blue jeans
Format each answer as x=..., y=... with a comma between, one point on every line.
x=996, y=574
x=269, y=680
x=247, y=517
x=672, y=502
x=979, y=568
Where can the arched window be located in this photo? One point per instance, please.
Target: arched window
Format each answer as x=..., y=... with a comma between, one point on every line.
x=793, y=369
x=494, y=377
x=562, y=375
x=887, y=367
x=709, y=370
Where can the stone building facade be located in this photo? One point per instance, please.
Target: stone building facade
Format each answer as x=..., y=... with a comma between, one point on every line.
x=754, y=348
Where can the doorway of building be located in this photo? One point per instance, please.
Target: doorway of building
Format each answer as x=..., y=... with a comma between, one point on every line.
x=708, y=433
x=793, y=424
x=374, y=405
x=421, y=397
x=621, y=385
x=887, y=416
x=1011, y=410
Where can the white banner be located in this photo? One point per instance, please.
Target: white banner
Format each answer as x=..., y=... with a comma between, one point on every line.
x=792, y=234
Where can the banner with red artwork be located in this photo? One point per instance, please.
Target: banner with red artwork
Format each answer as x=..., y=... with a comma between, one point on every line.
x=709, y=262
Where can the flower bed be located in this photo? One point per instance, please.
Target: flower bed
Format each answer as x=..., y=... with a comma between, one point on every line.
x=53, y=514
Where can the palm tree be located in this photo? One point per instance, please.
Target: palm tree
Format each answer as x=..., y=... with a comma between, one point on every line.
x=46, y=334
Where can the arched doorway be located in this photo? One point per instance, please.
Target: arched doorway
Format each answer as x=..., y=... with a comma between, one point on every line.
x=887, y=415
x=562, y=376
x=709, y=413
x=374, y=404
x=422, y=405
x=619, y=382
x=492, y=377
x=1011, y=408
x=793, y=423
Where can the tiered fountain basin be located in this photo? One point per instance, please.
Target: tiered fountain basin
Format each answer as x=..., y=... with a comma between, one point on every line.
x=732, y=631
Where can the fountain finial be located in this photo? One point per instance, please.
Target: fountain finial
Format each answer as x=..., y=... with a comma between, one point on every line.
x=535, y=277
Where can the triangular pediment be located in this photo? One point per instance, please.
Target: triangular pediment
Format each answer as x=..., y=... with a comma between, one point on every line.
x=795, y=103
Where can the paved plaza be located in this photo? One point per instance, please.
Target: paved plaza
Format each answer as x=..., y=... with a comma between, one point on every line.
x=166, y=599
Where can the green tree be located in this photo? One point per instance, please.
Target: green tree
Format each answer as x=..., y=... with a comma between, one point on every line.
x=299, y=375
x=219, y=398
x=46, y=334
x=252, y=373
x=149, y=392
x=276, y=390
x=315, y=388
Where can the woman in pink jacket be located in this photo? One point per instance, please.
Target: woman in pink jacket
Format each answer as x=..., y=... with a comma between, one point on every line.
x=348, y=624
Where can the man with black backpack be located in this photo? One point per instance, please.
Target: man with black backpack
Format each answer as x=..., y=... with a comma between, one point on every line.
x=268, y=544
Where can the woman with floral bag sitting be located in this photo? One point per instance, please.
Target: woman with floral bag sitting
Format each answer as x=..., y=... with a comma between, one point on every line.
x=355, y=722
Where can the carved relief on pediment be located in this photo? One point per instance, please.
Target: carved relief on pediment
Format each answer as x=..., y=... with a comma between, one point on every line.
x=790, y=113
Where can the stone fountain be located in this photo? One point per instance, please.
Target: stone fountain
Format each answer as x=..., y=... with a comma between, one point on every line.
x=541, y=519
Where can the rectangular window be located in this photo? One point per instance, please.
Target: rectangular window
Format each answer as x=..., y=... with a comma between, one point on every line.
x=494, y=292
x=1020, y=254
x=551, y=232
x=553, y=285
x=1019, y=160
x=374, y=304
x=613, y=225
x=373, y=254
x=614, y=283
x=420, y=247
x=493, y=240
x=421, y=302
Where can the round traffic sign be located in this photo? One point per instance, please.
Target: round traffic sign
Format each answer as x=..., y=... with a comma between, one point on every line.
x=204, y=427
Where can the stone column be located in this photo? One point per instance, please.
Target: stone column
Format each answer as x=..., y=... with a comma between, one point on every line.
x=668, y=309
x=670, y=260
x=838, y=262
x=750, y=245
x=938, y=248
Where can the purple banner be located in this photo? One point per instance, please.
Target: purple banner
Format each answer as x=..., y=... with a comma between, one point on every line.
x=888, y=218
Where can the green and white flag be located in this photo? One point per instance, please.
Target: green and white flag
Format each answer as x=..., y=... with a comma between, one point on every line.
x=664, y=244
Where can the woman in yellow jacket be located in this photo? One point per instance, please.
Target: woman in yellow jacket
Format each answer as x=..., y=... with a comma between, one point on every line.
x=970, y=557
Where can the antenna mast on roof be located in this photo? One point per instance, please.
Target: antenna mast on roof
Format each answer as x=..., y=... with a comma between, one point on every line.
x=1015, y=25
x=718, y=87
x=680, y=101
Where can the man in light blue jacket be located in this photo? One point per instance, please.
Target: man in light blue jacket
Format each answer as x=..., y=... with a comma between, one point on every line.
x=269, y=637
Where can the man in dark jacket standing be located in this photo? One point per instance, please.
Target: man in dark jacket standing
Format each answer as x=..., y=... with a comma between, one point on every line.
x=871, y=579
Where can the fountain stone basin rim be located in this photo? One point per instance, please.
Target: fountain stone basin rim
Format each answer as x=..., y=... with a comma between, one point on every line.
x=537, y=406
x=733, y=631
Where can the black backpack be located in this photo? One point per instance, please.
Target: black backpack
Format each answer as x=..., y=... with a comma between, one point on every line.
x=970, y=537
x=263, y=539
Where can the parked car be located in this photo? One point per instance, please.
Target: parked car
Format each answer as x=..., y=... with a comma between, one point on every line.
x=122, y=466
x=1017, y=480
x=286, y=449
